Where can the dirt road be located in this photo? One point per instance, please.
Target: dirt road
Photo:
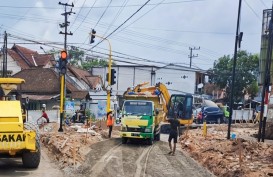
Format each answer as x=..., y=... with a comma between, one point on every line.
x=135, y=159
x=13, y=167
x=110, y=158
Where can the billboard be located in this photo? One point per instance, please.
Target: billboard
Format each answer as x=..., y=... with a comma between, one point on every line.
x=101, y=110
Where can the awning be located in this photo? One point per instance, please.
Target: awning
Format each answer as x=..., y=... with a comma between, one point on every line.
x=40, y=97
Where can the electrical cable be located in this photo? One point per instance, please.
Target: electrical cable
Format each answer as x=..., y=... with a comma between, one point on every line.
x=102, y=7
x=252, y=10
x=263, y=3
x=85, y=16
x=141, y=16
x=103, y=14
x=124, y=22
x=117, y=15
x=77, y=15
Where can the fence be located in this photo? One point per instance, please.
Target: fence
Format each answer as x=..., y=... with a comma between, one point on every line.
x=242, y=115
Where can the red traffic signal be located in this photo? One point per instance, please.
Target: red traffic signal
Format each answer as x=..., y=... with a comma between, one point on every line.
x=63, y=55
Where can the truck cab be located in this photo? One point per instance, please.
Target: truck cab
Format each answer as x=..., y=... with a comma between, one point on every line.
x=138, y=120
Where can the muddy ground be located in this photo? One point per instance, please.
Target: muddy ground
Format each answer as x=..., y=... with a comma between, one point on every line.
x=13, y=167
x=95, y=155
x=111, y=158
x=77, y=152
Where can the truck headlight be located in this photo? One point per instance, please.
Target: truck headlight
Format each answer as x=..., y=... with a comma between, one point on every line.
x=123, y=128
x=148, y=129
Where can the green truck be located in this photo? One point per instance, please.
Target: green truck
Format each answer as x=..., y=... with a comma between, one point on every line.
x=141, y=118
x=147, y=108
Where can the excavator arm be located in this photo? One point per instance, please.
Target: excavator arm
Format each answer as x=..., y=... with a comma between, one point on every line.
x=158, y=89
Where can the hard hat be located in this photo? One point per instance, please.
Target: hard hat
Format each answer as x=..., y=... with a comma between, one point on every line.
x=110, y=110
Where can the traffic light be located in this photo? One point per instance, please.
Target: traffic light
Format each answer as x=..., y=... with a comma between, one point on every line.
x=92, y=36
x=63, y=62
x=113, y=76
x=111, y=92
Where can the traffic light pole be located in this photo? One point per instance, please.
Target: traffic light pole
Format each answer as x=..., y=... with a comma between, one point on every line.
x=109, y=72
x=61, y=103
x=62, y=76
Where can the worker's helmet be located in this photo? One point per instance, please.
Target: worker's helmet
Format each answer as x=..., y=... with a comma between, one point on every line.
x=110, y=110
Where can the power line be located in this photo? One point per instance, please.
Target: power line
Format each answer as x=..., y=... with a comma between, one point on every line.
x=102, y=7
x=77, y=15
x=252, y=10
x=123, y=22
x=142, y=15
x=85, y=16
x=122, y=59
x=103, y=14
x=263, y=3
x=117, y=15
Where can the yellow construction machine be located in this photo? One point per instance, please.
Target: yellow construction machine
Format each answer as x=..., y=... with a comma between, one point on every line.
x=17, y=139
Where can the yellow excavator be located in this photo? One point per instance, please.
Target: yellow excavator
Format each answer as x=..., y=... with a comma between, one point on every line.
x=18, y=138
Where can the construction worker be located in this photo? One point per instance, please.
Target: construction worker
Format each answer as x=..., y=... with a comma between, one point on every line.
x=110, y=122
x=174, y=132
x=44, y=118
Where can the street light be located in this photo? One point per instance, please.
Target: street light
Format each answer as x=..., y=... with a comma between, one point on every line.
x=93, y=34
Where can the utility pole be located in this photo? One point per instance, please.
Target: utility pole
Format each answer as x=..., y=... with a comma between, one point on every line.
x=66, y=23
x=266, y=82
x=238, y=36
x=5, y=56
x=191, y=55
x=64, y=58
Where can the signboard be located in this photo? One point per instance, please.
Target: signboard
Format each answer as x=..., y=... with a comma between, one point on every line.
x=69, y=105
x=101, y=109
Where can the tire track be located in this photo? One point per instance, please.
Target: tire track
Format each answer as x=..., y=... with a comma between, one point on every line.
x=146, y=152
x=102, y=162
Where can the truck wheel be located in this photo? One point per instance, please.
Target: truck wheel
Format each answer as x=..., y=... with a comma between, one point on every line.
x=157, y=137
x=219, y=120
x=32, y=159
x=124, y=140
x=150, y=141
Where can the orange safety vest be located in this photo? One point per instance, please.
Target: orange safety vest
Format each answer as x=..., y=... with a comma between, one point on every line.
x=110, y=120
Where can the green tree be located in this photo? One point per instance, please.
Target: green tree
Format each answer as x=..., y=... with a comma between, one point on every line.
x=94, y=63
x=76, y=56
x=253, y=89
x=77, y=59
x=246, y=74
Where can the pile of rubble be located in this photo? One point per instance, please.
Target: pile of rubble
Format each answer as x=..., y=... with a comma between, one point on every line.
x=241, y=156
x=69, y=148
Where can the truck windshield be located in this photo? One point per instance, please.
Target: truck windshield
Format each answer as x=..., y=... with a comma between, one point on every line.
x=138, y=108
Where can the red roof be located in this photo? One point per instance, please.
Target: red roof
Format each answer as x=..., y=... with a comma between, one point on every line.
x=27, y=58
x=84, y=75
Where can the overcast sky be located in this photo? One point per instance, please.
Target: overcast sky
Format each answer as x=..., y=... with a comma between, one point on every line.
x=161, y=31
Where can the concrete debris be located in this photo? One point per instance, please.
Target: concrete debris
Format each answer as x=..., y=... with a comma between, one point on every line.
x=69, y=148
x=243, y=156
x=87, y=130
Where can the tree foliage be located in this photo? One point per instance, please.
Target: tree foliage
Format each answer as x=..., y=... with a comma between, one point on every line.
x=246, y=74
x=78, y=59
